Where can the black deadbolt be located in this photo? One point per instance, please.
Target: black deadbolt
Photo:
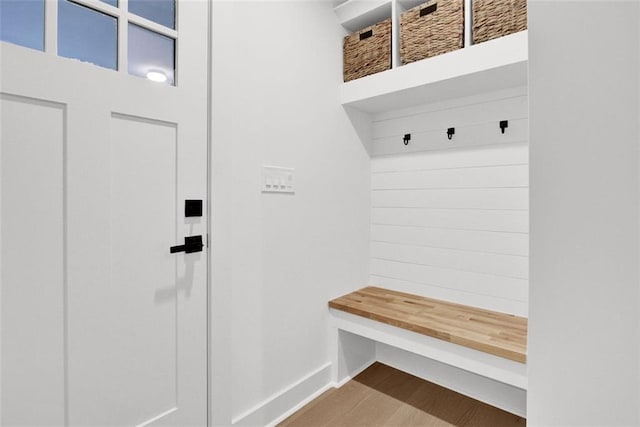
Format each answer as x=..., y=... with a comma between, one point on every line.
x=192, y=208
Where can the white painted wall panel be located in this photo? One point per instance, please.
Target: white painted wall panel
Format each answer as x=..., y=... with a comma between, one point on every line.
x=585, y=293
x=32, y=160
x=278, y=258
x=476, y=122
x=497, y=155
x=477, y=283
x=457, y=219
x=479, y=262
x=466, y=135
x=459, y=198
x=462, y=178
x=512, y=103
x=453, y=223
x=476, y=241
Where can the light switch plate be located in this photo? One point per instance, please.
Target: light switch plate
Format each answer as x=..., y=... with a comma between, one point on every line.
x=276, y=179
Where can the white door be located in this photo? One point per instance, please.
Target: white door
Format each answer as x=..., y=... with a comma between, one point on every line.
x=101, y=324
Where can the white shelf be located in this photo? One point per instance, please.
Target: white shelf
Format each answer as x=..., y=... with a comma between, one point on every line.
x=490, y=66
x=409, y=4
x=355, y=15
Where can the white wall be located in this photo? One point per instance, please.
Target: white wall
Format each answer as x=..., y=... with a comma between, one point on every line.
x=450, y=218
x=278, y=259
x=584, y=301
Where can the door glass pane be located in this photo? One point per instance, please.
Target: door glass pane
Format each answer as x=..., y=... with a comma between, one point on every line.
x=113, y=3
x=150, y=52
x=22, y=22
x=161, y=11
x=87, y=35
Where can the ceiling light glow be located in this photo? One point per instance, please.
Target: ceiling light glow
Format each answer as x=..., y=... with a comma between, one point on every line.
x=157, y=76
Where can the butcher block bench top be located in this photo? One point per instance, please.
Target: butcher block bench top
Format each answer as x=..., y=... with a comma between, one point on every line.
x=500, y=334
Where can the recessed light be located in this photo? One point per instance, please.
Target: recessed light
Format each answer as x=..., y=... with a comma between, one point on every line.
x=157, y=76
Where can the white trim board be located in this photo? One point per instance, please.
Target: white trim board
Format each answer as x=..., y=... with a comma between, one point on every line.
x=493, y=367
x=282, y=404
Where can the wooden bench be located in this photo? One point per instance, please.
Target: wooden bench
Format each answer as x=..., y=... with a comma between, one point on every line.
x=478, y=352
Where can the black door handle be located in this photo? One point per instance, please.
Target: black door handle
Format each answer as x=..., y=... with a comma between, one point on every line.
x=191, y=244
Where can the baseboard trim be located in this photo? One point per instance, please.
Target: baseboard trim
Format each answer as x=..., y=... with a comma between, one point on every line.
x=281, y=405
x=354, y=374
x=299, y=406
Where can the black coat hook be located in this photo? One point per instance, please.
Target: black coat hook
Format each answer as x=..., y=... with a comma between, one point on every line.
x=451, y=132
x=503, y=125
x=406, y=139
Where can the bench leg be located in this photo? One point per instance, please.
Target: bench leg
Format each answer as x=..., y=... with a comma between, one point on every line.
x=351, y=354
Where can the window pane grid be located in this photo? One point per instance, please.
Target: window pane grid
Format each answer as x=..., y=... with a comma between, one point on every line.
x=87, y=34
x=151, y=52
x=142, y=32
x=150, y=25
x=22, y=23
x=162, y=12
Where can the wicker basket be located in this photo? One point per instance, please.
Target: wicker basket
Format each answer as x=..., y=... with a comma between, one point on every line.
x=431, y=29
x=497, y=18
x=367, y=51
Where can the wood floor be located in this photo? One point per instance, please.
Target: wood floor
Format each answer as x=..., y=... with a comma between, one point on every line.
x=383, y=396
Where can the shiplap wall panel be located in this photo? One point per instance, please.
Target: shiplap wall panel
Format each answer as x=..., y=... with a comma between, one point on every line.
x=493, y=155
x=466, y=135
x=457, y=219
x=464, y=240
x=473, y=177
x=478, y=262
x=423, y=119
x=484, y=284
x=477, y=198
x=450, y=219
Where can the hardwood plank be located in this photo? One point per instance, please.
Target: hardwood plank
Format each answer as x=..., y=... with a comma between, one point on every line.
x=384, y=396
x=496, y=333
x=374, y=411
x=327, y=408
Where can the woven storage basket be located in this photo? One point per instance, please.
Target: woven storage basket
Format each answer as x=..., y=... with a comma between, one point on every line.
x=433, y=28
x=367, y=51
x=497, y=18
